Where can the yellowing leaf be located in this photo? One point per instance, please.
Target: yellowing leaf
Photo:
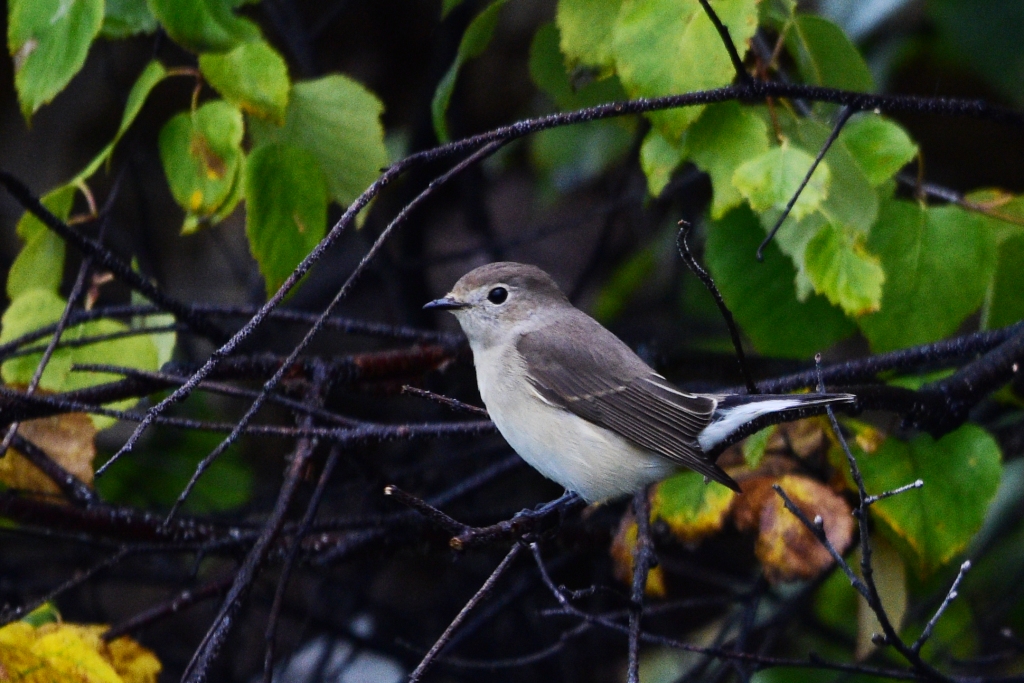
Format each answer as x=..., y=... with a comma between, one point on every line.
x=787, y=549
x=69, y=441
x=622, y=549
x=692, y=509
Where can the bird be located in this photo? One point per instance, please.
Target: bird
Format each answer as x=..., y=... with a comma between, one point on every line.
x=577, y=404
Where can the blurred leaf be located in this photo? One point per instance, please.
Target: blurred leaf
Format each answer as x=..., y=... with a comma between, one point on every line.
x=755, y=445
x=286, y=209
x=938, y=262
x=448, y=5
x=890, y=574
x=622, y=549
x=931, y=525
x=144, y=84
x=792, y=239
x=662, y=47
x=825, y=56
x=769, y=180
x=985, y=38
x=40, y=263
x=1005, y=304
x=762, y=296
x=203, y=25
x=836, y=604
x=570, y=156
x=726, y=136
x=69, y=441
x=474, y=41
x=627, y=278
x=880, y=146
x=841, y=268
x=125, y=18
x=154, y=476
x=692, y=509
x=776, y=13
x=586, y=31
x=202, y=156
x=659, y=159
x=787, y=550
x=49, y=41
x=72, y=652
x=337, y=120
x=253, y=77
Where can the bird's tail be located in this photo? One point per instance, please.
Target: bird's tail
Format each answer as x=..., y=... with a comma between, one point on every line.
x=742, y=414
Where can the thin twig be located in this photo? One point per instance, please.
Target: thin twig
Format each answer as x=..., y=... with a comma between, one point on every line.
x=844, y=116
x=452, y=403
x=709, y=284
x=734, y=55
x=642, y=560
x=482, y=593
x=950, y=597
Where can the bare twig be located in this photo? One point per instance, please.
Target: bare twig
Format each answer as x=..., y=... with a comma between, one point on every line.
x=484, y=591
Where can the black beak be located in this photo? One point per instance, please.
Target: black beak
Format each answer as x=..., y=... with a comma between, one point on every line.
x=445, y=304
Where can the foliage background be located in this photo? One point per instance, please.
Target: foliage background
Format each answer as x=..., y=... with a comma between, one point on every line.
x=576, y=202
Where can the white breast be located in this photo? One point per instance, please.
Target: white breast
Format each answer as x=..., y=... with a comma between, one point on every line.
x=595, y=462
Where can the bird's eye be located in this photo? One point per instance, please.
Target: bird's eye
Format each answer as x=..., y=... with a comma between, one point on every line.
x=497, y=295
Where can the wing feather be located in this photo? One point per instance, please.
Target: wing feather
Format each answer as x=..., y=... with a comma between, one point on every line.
x=577, y=364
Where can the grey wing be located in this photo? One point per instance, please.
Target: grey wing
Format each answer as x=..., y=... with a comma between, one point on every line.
x=577, y=364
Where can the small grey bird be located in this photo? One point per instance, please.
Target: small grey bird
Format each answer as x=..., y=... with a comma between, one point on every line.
x=576, y=403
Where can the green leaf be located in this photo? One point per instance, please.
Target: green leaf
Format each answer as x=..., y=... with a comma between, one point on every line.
x=337, y=120
x=663, y=47
x=49, y=40
x=938, y=262
x=474, y=41
x=203, y=25
x=762, y=296
x=932, y=524
x=825, y=56
x=659, y=159
x=842, y=269
x=144, y=84
x=125, y=18
x=586, y=31
x=37, y=308
x=755, y=446
x=286, y=208
x=547, y=69
x=725, y=137
x=28, y=312
x=1005, y=304
x=40, y=263
x=769, y=180
x=691, y=508
x=851, y=200
x=792, y=240
x=1005, y=210
x=202, y=157
x=776, y=13
x=448, y=5
x=569, y=156
x=880, y=146
x=253, y=77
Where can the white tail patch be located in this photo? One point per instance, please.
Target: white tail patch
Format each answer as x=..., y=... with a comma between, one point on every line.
x=728, y=420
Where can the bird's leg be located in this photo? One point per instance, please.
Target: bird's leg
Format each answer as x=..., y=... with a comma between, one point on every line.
x=566, y=499
x=519, y=526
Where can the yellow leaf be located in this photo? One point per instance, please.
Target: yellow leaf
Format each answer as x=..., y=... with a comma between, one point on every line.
x=622, y=549
x=72, y=652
